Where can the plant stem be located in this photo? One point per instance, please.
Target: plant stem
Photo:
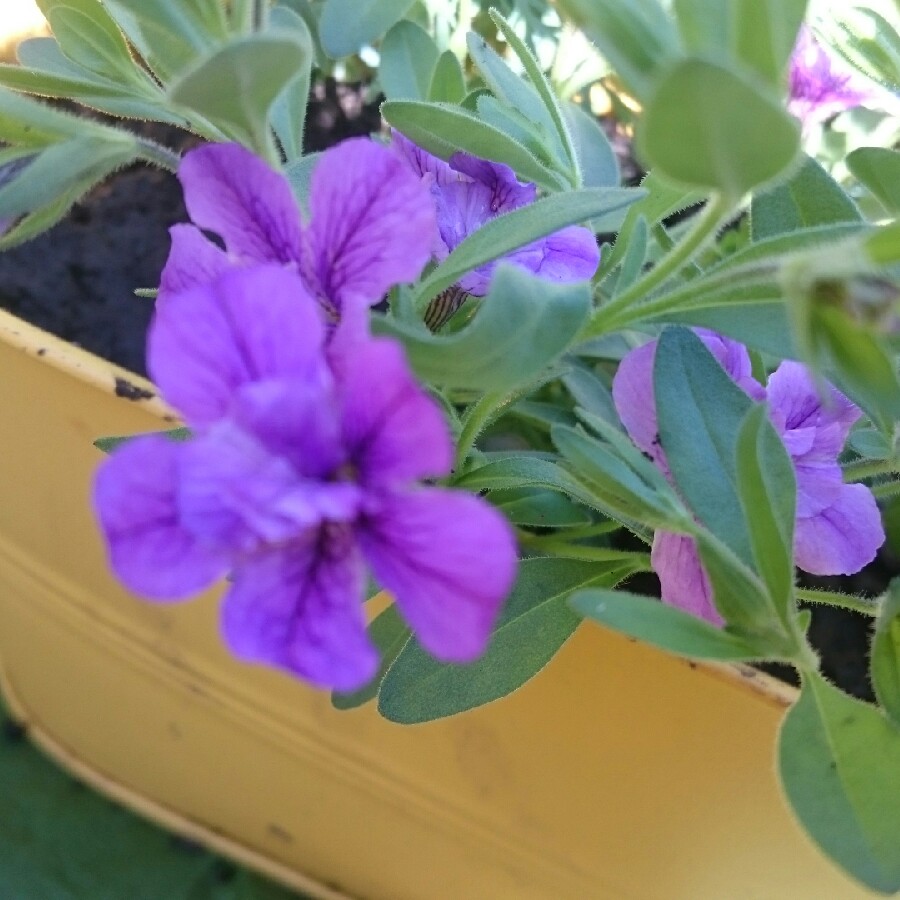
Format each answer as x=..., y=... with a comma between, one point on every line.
x=866, y=468
x=844, y=601
x=558, y=547
x=158, y=155
x=887, y=489
x=473, y=423
x=707, y=224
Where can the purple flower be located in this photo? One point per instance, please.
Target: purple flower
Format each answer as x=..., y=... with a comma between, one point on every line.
x=838, y=528
x=370, y=227
x=468, y=192
x=303, y=471
x=823, y=85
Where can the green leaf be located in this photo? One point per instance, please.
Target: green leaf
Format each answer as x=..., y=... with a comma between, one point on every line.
x=537, y=508
x=236, y=86
x=170, y=36
x=348, y=25
x=534, y=624
x=740, y=136
x=637, y=38
x=409, y=57
x=29, y=123
x=109, y=444
x=443, y=130
x=511, y=122
x=621, y=483
x=90, y=37
x=596, y=159
x=878, y=168
x=700, y=410
x=635, y=255
x=73, y=165
x=757, y=33
x=448, y=83
x=811, y=197
x=649, y=619
x=542, y=86
x=886, y=653
x=389, y=633
x=838, y=760
x=518, y=94
x=768, y=491
x=515, y=229
x=288, y=113
x=487, y=354
x=864, y=367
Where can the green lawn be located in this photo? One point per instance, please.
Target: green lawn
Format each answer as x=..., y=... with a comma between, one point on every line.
x=61, y=841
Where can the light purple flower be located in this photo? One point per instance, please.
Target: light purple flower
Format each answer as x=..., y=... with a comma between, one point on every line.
x=468, y=192
x=370, y=226
x=823, y=85
x=838, y=527
x=303, y=471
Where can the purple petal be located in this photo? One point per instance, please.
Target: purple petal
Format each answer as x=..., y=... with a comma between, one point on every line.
x=505, y=191
x=300, y=609
x=449, y=559
x=633, y=395
x=813, y=428
x=818, y=487
x=247, y=325
x=421, y=162
x=136, y=501
x=237, y=494
x=392, y=430
x=230, y=191
x=571, y=254
x=843, y=538
x=632, y=391
x=683, y=582
x=193, y=260
x=372, y=224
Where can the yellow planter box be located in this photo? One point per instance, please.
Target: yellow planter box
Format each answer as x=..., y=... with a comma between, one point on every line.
x=618, y=772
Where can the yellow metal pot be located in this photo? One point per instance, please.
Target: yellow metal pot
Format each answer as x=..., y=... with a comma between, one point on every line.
x=618, y=772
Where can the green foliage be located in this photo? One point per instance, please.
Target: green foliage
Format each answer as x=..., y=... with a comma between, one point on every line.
x=348, y=25
x=109, y=444
x=838, y=761
x=488, y=355
x=649, y=620
x=811, y=197
x=878, y=168
x=409, y=57
x=886, y=653
x=536, y=621
x=741, y=137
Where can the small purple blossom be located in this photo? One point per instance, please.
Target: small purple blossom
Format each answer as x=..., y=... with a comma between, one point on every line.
x=370, y=226
x=303, y=471
x=823, y=85
x=468, y=192
x=838, y=527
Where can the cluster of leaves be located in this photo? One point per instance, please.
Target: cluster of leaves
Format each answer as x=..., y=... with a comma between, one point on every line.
x=810, y=277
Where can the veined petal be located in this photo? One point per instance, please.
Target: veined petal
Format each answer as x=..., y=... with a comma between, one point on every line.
x=505, y=191
x=449, y=559
x=247, y=325
x=570, y=254
x=393, y=432
x=149, y=547
x=684, y=584
x=235, y=492
x=372, y=224
x=232, y=192
x=814, y=428
x=299, y=608
x=193, y=260
x=431, y=168
x=844, y=537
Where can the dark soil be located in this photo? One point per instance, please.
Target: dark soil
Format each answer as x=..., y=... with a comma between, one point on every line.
x=78, y=279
